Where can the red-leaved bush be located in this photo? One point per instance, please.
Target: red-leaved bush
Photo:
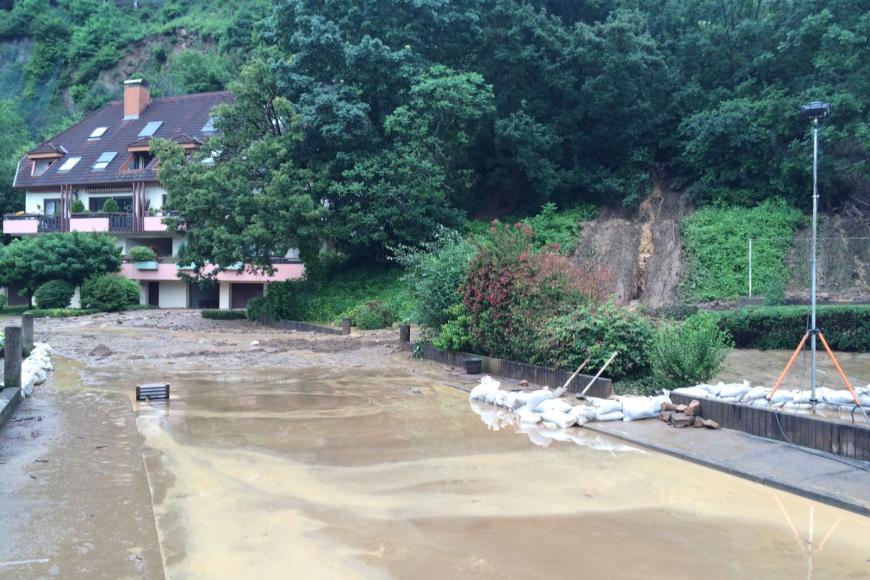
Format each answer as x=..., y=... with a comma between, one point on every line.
x=513, y=290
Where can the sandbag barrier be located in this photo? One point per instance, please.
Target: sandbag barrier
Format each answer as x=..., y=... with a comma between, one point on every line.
x=35, y=368
x=541, y=406
x=838, y=401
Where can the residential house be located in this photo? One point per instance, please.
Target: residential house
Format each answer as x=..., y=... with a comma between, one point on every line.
x=108, y=155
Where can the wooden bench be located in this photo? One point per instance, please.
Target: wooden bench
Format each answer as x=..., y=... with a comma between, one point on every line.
x=151, y=391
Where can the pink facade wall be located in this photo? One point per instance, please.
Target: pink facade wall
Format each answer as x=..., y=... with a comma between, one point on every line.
x=154, y=224
x=170, y=272
x=18, y=227
x=98, y=224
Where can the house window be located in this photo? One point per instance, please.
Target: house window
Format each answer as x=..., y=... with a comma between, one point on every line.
x=40, y=166
x=104, y=160
x=69, y=163
x=141, y=159
x=125, y=202
x=150, y=128
x=52, y=207
x=97, y=133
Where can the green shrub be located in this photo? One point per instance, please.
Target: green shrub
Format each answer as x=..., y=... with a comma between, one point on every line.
x=560, y=228
x=78, y=206
x=17, y=309
x=60, y=312
x=716, y=247
x=54, y=294
x=109, y=293
x=455, y=334
x=690, y=353
x=846, y=328
x=434, y=274
x=224, y=314
x=110, y=206
x=142, y=254
x=597, y=332
x=674, y=311
x=373, y=315
x=256, y=307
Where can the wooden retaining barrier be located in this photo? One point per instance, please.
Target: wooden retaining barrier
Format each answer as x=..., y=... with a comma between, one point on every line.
x=846, y=439
x=520, y=371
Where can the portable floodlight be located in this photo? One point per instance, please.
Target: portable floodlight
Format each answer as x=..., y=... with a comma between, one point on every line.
x=815, y=111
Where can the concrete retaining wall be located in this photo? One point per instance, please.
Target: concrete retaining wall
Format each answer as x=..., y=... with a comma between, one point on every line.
x=296, y=325
x=846, y=439
x=521, y=371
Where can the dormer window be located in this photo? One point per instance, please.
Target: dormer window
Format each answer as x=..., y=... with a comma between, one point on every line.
x=40, y=166
x=141, y=160
x=97, y=133
x=69, y=164
x=150, y=128
x=104, y=160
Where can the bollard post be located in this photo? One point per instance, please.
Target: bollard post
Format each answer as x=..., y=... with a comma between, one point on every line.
x=404, y=334
x=345, y=325
x=12, y=358
x=27, y=332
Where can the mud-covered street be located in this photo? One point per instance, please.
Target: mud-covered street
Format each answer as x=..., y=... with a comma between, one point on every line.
x=296, y=455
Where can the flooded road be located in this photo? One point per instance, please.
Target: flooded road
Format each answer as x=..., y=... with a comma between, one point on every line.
x=291, y=459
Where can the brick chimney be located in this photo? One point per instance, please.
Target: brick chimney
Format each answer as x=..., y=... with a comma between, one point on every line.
x=137, y=97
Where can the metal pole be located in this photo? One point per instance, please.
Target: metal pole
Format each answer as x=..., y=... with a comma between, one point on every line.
x=750, y=267
x=813, y=329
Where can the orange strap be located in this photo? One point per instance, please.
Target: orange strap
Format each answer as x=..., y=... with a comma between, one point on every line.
x=839, y=370
x=788, y=366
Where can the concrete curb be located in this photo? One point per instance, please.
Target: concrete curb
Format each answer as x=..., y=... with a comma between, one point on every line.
x=9, y=400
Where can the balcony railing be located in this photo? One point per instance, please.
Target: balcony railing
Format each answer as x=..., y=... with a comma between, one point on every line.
x=31, y=223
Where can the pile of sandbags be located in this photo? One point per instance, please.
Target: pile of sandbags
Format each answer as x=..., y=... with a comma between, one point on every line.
x=686, y=415
x=35, y=368
x=745, y=394
x=542, y=407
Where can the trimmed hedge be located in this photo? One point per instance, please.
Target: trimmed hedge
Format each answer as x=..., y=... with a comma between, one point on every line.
x=60, y=312
x=54, y=294
x=224, y=314
x=846, y=328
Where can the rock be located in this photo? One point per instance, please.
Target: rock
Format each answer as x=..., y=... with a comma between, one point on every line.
x=698, y=422
x=711, y=424
x=254, y=343
x=668, y=406
x=681, y=408
x=681, y=420
x=666, y=416
x=101, y=350
x=694, y=409
x=524, y=383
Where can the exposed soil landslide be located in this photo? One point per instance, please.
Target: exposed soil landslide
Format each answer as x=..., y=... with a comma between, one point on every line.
x=294, y=455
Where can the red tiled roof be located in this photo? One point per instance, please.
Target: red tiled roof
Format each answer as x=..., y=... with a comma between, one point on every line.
x=183, y=118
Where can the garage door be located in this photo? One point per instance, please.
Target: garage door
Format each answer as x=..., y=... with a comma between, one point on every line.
x=241, y=293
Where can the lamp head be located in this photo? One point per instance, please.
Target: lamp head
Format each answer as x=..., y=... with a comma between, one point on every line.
x=815, y=111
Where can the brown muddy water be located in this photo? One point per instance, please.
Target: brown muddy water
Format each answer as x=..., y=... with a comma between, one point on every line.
x=321, y=473
x=306, y=458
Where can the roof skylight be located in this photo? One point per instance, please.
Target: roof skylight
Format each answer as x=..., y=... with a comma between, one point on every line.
x=98, y=132
x=150, y=128
x=104, y=160
x=69, y=163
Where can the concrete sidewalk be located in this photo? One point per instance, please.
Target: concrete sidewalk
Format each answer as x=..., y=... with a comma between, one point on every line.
x=818, y=476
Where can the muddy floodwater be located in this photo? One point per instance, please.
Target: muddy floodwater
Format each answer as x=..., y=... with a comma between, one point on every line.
x=301, y=457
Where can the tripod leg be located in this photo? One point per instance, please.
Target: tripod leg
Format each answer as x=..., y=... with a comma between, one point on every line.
x=839, y=370
x=781, y=378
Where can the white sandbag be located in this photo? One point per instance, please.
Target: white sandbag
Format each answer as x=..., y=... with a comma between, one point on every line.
x=865, y=400
x=604, y=406
x=614, y=416
x=736, y=390
x=802, y=397
x=782, y=396
x=696, y=392
x=527, y=416
x=558, y=405
x=500, y=395
x=562, y=420
x=755, y=393
x=712, y=390
x=635, y=408
x=538, y=397
x=797, y=406
x=486, y=385
x=760, y=403
x=585, y=413
x=840, y=397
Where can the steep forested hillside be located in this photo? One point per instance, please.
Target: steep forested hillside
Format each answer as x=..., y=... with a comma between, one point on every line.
x=407, y=114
